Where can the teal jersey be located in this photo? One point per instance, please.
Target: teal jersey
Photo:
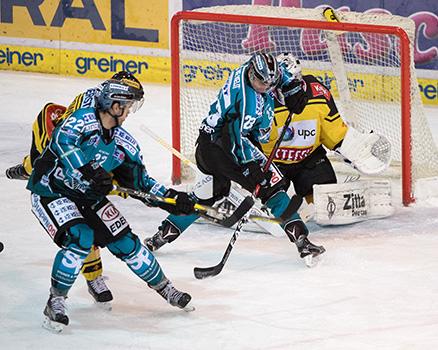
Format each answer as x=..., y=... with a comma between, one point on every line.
x=240, y=116
x=78, y=140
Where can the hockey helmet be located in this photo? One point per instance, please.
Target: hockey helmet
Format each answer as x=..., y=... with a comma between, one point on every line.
x=124, y=91
x=292, y=64
x=264, y=67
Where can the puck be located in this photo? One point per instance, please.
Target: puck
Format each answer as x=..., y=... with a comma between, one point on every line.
x=1, y=246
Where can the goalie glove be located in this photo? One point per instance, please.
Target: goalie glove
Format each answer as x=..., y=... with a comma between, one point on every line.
x=368, y=153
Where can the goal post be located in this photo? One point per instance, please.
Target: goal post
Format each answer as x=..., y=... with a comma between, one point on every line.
x=373, y=56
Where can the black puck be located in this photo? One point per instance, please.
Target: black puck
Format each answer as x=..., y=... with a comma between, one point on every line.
x=1, y=246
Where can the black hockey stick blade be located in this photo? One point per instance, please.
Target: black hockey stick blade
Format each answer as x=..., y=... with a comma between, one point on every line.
x=239, y=213
x=205, y=272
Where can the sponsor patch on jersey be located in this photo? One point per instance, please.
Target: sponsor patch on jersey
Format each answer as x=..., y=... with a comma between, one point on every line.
x=236, y=82
x=90, y=127
x=259, y=104
x=119, y=155
x=64, y=210
x=112, y=219
x=302, y=134
x=94, y=140
x=42, y=216
x=122, y=138
x=292, y=154
x=319, y=90
x=88, y=100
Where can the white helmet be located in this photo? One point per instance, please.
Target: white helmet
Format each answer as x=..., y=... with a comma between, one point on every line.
x=292, y=64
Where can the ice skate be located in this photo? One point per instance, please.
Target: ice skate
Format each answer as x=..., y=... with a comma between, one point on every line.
x=55, y=319
x=166, y=233
x=173, y=296
x=309, y=252
x=17, y=172
x=100, y=292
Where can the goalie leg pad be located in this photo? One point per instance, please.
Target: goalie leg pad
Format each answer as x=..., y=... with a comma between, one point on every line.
x=350, y=202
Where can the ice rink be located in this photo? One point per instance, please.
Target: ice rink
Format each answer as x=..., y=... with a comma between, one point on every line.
x=376, y=287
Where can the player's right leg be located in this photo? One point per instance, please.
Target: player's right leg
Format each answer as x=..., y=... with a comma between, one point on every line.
x=142, y=262
x=65, y=224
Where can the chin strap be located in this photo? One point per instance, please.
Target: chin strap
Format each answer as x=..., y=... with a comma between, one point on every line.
x=116, y=117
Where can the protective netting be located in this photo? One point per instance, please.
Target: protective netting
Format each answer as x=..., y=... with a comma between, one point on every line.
x=362, y=71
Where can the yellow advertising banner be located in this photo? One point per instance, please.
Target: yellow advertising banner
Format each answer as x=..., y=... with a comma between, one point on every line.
x=84, y=63
x=114, y=22
x=194, y=73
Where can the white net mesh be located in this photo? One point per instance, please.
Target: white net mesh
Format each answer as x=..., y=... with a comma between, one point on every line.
x=362, y=71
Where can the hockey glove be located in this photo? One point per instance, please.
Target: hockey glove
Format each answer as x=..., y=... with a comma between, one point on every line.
x=184, y=203
x=255, y=175
x=295, y=98
x=100, y=181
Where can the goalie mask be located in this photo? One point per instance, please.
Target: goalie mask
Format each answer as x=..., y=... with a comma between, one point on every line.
x=292, y=64
x=263, y=68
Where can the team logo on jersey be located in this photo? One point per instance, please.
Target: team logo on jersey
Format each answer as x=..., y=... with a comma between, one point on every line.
x=319, y=90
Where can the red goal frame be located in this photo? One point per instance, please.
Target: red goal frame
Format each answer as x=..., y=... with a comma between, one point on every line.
x=407, y=188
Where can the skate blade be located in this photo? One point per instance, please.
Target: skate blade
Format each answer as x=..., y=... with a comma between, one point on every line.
x=53, y=326
x=106, y=305
x=188, y=308
x=311, y=261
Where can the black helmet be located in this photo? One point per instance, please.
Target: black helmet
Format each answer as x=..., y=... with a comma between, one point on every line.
x=129, y=78
x=122, y=91
x=264, y=67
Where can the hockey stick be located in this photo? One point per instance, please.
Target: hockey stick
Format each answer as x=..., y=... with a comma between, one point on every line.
x=202, y=210
x=241, y=209
x=204, y=272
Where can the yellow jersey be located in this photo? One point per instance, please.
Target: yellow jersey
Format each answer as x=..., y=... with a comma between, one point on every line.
x=319, y=124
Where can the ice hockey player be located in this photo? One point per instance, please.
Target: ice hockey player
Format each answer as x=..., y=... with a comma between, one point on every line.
x=317, y=124
x=69, y=184
x=50, y=116
x=240, y=118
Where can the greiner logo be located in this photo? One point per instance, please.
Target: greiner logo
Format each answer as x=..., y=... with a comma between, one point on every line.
x=25, y=58
x=209, y=72
x=85, y=64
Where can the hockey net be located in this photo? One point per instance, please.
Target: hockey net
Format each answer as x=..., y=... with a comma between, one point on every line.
x=366, y=61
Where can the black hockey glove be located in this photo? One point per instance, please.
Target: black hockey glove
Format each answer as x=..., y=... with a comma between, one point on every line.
x=295, y=98
x=99, y=179
x=184, y=203
x=255, y=175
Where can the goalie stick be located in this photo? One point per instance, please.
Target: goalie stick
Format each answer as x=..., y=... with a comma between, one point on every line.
x=204, y=272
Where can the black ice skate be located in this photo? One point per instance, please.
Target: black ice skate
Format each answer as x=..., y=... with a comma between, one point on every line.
x=17, y=172
x=309, y=252
x=100, y=292
x=56, y=318
x=166, y=233
x=173, y=296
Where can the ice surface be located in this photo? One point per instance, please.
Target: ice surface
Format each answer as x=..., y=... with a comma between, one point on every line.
x=376, y=288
